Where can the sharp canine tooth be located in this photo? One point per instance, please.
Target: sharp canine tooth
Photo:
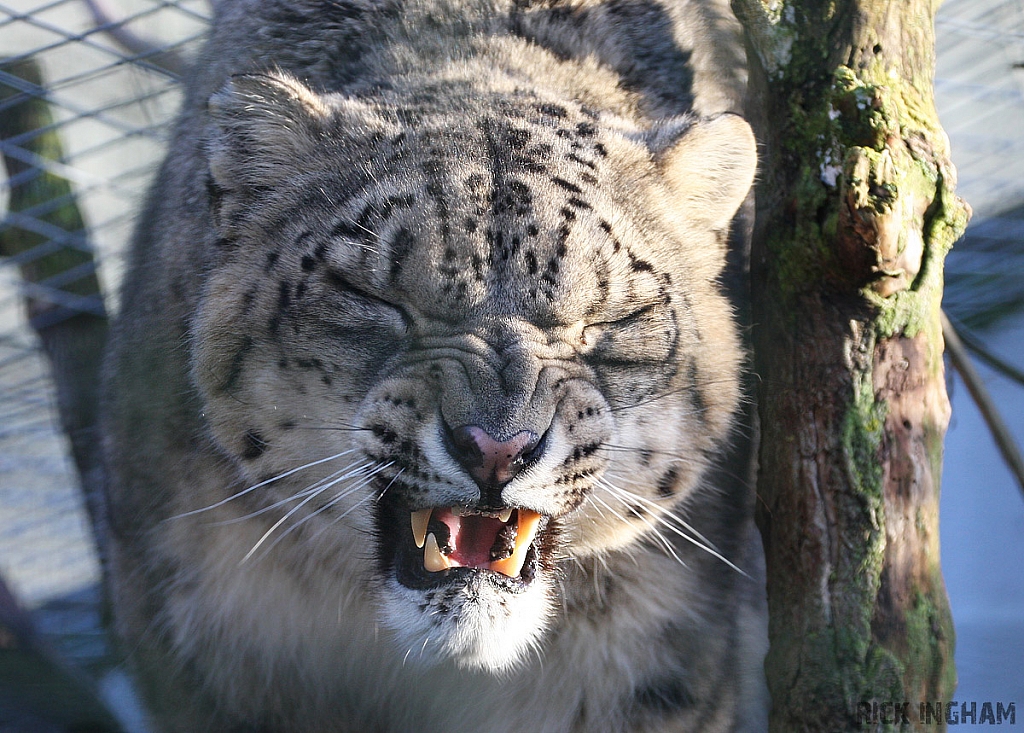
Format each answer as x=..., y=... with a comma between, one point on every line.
x=505, y=514
x=420, y=520
x=433, y=560
x=526, y=530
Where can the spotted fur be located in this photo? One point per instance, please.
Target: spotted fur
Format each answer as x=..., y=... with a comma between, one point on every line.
x=383, y=223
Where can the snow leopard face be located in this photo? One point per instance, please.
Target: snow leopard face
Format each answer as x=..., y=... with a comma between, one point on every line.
x=455, y=342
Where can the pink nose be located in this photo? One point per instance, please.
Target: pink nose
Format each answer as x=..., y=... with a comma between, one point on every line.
x=491, y=463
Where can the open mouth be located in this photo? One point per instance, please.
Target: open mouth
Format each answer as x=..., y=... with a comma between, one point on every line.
x=438, y=545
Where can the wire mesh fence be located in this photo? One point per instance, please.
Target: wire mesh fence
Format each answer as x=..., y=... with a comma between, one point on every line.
x=87, y=96
x=107, y=79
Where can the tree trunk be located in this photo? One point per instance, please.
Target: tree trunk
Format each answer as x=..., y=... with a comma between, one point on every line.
x=856, y=211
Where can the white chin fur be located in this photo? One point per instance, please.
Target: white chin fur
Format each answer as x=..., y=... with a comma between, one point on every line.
x=483, y=627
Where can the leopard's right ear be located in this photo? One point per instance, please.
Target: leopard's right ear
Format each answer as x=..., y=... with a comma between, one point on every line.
x=263, y=124
x=267, y=126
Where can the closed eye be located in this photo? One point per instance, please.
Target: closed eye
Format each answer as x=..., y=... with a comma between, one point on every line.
x=646, y=335
x=592, y=331
x=339, y=282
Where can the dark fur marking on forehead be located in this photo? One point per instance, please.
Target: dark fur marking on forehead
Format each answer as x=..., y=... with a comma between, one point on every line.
x=586, y=129
x=575, y=158
x=402, y=243
x=517, y=138
x=347, y=230
x=564, y=184
x=552, y=110
x=639, y=265
x=437, y=193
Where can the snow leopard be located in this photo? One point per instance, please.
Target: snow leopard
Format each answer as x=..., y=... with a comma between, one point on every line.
x=423, y=405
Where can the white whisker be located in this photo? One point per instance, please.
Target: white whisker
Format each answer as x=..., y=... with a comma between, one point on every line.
x=243, y=492
x=340, y=496
x=317, y=487
x=672, y=522
x=661, y=538
x=393, y=479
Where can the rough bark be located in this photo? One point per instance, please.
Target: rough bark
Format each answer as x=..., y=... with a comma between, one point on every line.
x=856, y=211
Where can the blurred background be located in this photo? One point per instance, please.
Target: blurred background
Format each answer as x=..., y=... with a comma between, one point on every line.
x=108, y=71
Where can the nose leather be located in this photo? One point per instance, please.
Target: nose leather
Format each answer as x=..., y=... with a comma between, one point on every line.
x=492, y=463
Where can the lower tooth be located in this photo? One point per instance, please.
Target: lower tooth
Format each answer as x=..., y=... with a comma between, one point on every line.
x=433, y=560
x=525, y=532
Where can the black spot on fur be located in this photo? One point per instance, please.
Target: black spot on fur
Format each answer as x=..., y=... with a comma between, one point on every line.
x=284, y=295
x=517, y=138
x=237, y=361
x=582, y=161
x=255, y=445
x=562, y=183
x=664, y=696
x=700, y=405
x=638, y=265
x=308, y=263
x=385, y=435
x=347, y=230
x=402, y=244
x=667, y=483
x=586, y=129
x=213, y=192
x=552, y=110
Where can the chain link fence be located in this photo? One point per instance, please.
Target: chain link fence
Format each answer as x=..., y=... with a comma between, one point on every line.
x=93, y=143
x=101, y=83
x=88, y=92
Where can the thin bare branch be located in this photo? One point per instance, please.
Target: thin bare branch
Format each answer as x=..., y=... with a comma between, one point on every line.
x=997, y=426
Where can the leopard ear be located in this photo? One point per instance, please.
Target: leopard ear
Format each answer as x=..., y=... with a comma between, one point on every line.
x=709, y=165
x=262, y=125
x=265, y=126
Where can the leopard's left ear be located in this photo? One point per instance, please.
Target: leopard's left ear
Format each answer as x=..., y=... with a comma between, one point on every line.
x=709, y=165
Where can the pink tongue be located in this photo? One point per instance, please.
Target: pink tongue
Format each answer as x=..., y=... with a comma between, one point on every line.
x=471, y=538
